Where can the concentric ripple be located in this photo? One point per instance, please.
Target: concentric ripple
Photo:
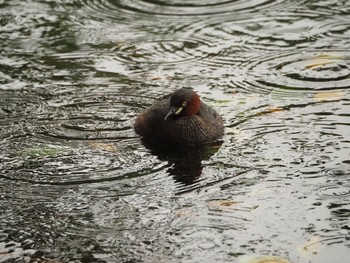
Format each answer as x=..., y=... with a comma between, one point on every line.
x=335, y=191
x=303, y=71
x=162, y=51
x=76, y=140
x=92, y=116
x=306, y=71
x=179, y=7
x=339, y=30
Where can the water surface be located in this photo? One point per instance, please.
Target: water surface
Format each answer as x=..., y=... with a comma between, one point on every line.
x=78, y=185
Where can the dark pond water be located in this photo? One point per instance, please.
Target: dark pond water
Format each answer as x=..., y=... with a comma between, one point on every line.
x=76, y=183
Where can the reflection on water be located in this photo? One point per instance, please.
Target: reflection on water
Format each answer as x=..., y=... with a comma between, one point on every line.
x=185, y=165
x=77, y=184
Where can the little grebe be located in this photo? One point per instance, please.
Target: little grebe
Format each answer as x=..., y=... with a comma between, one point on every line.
x=180, y=119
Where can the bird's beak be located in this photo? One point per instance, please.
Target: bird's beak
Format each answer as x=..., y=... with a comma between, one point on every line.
x=174, y=111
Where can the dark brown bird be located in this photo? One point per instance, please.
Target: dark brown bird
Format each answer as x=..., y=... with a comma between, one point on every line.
x=180, y=119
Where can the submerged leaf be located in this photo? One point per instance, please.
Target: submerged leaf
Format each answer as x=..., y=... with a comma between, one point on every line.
x=41, y=151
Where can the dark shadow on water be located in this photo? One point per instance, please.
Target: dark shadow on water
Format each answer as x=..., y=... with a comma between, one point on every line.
x=185, y=164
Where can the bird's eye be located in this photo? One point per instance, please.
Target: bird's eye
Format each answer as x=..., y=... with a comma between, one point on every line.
x=184, y=104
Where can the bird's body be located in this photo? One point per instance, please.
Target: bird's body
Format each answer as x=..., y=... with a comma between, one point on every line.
x=180, y=119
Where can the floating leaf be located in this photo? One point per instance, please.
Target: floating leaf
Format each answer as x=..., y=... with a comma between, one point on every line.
x=318, y=63
x=222, y=204
x=270, y=109
x=310, y=248
x=329, y=96
x=261, y=259
x=323, y=60
x=274, y=109
x=108, y=147
x=186, y=212
x=331, y=56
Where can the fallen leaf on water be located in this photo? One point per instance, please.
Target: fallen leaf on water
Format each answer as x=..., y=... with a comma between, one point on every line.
x=186, y=212
x=323, y=60
x=310, y=248
x=261, y=259
x=270, y=109
x=108, y=147
x=331, y=56
x=318, y=63
x=221, y=204
x=274, y=109
x=328, y=96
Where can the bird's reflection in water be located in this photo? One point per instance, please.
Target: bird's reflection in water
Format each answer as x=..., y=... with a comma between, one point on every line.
x=185, y=165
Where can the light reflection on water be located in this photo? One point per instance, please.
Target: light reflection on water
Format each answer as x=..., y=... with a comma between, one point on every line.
x=76, y=183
